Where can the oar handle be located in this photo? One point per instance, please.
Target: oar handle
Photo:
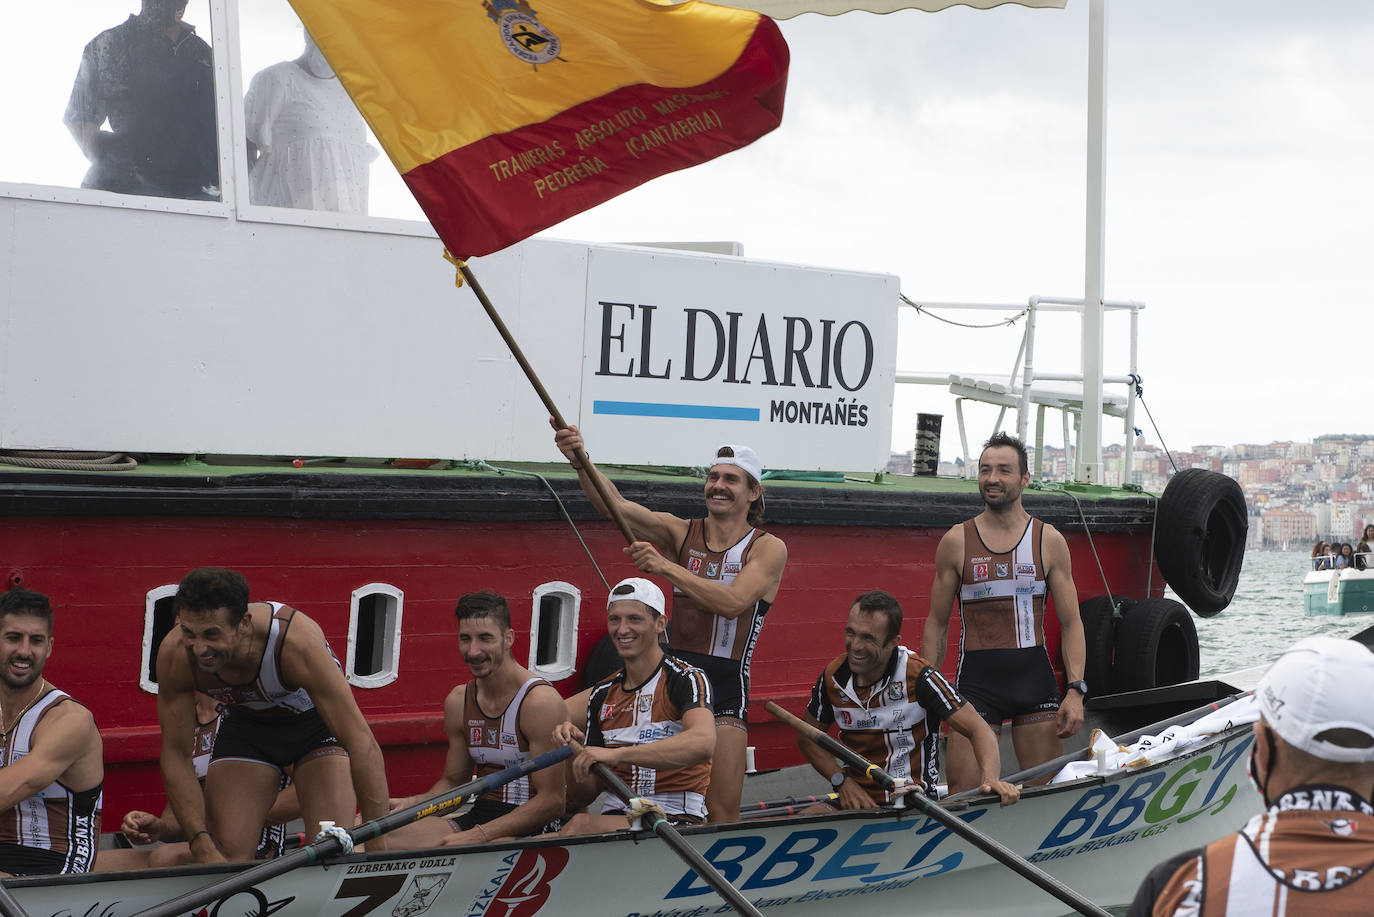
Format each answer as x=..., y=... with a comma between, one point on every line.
x=614, y=510
x=920, y=803
x=330, y=846
x=689, y=854
x=836, y=748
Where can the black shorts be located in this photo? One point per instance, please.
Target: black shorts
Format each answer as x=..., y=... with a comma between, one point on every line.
x=729, y=680
x=281, y=741
x=485, y=810
x=1015, y=684
x=19, y=860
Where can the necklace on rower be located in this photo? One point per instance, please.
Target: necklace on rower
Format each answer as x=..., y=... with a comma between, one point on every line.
x=33, y=700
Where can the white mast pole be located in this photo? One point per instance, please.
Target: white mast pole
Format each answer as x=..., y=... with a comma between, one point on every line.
x=1089, y=464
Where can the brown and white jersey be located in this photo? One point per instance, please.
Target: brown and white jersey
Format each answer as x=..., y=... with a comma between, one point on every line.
x=696, y=630
x=495, y=742
x=267, y=694
x=55, y=818
x=1311, y=854
x=618, y=714
x=889, y=722
x=1002, y=599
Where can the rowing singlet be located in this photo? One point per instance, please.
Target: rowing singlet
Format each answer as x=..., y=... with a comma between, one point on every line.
x=1002, y=599
x=892, y=726
x=55, y=818
x=267, y=694
x=1311, y=854
x=696, y=630
x=495, y=742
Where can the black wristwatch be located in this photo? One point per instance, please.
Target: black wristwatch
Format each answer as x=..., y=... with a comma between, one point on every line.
x=837, y=779
x=1080, y=686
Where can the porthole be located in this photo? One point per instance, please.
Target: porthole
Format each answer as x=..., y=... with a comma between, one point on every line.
x=374, y=636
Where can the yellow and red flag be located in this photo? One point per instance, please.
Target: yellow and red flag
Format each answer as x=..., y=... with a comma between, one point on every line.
x=508, y=116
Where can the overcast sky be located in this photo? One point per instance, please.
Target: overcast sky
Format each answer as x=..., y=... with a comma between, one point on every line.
x=949, y=149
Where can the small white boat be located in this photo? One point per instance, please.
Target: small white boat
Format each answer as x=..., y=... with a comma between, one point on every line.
x=1348, y=590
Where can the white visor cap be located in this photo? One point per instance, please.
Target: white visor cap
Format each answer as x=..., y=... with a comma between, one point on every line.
x=1319, y=686
x=640, y=590
x=744, y=458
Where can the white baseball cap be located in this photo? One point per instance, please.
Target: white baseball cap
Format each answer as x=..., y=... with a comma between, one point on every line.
x=1319, y=686
x=744, y=458
x=640, y=590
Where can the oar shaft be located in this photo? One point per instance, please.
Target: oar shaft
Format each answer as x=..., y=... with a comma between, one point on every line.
x=549, y=405
x=8, y=906
x=330, y=846
x=700, y=865
x=920, y=803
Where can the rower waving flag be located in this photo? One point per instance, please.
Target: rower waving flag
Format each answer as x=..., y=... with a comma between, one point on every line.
x=507, y=116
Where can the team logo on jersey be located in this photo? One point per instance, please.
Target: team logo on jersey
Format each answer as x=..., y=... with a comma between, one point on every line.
x=1341, y=827
x=1003, y=569
x=491, y=738
x=732, y=569
x=205, y=742
x=1025, y=569
x=475, y=735
x=845, y=718
x=508, y=738
x=980, y=572
x=645, y=703
x=896, y=691
x=694, y=564
x=712, y=570
x=981, y=592
x=898, y=717
x=607, y=711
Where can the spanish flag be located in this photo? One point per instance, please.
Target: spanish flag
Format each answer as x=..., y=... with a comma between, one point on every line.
x=508, y=116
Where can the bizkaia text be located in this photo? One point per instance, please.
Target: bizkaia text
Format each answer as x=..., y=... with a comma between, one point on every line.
x=815, y=354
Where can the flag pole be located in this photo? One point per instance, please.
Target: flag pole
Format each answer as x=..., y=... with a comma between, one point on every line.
x=611, y=507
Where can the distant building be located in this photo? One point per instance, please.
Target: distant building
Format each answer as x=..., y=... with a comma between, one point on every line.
x=1289, y=528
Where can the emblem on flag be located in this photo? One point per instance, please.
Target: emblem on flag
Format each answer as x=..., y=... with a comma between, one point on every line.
x=525, y=36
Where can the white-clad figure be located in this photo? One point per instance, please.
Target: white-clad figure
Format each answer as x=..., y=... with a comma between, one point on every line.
x=307, y=144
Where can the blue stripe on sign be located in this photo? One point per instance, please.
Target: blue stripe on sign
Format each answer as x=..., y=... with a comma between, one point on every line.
x=651, y=409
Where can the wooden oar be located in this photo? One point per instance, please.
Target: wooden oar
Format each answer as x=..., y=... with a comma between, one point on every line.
x=700, y=865
x=330, y=846
x=515, y=351
x=993, y=848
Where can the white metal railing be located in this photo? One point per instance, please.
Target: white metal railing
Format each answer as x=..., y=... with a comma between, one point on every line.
x=1019, y=391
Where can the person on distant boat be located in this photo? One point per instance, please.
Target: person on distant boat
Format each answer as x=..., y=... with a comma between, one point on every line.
x=651, y=721
x=525, y=710
x=1000, y=564
x=1312, y=852
x=1345, y=556
x=143, y=829
x=51, y=770
x=725, y=572
x=286, y=703
x=153, y=79
x=1362, y=556
x=888, y=703
x=1319, y=555
x=307, y=144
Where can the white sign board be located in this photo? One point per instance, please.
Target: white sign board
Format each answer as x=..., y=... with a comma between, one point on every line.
x=685, y=353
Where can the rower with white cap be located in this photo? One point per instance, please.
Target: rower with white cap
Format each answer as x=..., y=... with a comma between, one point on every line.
x=1312, y=852
x=725, y=571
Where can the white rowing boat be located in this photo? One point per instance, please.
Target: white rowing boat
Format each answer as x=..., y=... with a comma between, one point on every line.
x=1098, y=834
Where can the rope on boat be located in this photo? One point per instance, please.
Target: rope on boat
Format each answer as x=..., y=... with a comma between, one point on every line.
x=925, y=310
x=1140, y=396
x=1083, y=517
x=58, y=460
x=561, y=508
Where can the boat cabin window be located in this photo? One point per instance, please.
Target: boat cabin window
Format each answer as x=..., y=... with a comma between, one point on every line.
x=553, y=630
x=374, y=636
x=159, y=615
x=216, y=107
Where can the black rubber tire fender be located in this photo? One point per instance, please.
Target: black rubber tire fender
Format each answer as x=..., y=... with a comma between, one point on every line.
x=1156, y=645
x=1200, y=538
x=1099, y=637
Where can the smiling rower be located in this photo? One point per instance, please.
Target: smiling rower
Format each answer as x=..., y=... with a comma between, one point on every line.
x=725, y=572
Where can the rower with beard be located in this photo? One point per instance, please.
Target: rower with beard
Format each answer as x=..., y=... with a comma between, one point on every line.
x=725, y=570
x=888, y=703
x=1312, y=852
x=1000, y=564
x=524, y=709
x=286, y=705
x=51, y=770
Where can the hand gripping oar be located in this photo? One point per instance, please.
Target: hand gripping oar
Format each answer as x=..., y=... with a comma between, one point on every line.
x=543, y=394
x=700, y=865
x=331, y=846
x=993, y=848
